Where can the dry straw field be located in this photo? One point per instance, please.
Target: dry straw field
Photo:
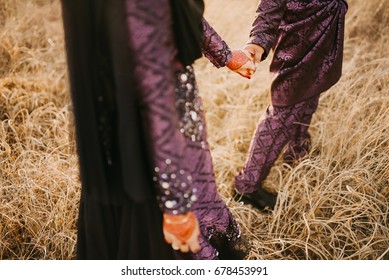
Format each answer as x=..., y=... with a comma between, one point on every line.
x=334, y=204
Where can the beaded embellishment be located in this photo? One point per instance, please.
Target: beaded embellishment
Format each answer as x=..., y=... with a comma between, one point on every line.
x=178, y=194
x=189, y=105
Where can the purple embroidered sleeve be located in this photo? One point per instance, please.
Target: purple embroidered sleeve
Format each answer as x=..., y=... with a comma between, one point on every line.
x=265, y=27
x=214, y=48
x=151, y=40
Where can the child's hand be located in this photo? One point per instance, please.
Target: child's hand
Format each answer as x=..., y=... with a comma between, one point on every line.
x=182, y=232
x=242, y=63
x=255, y=52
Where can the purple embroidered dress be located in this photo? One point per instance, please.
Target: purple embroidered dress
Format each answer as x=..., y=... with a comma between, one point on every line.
x=141, y=133
x=183, y=163
x=307, y=39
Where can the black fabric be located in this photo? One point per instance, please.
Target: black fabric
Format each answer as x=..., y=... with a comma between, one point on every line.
x=188, y=29
x=110, y=137
x=132, y=231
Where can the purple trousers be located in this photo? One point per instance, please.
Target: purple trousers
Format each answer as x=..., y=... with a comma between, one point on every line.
x=281, y=126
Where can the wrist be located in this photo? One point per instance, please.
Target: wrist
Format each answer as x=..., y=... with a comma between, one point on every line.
x=170, y=219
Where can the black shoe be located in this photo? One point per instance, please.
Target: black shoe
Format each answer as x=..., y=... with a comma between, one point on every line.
x=234, y=249
x=260, y=199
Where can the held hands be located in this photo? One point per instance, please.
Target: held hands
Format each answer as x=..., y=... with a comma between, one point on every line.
x=182, y=232
x=242, y=63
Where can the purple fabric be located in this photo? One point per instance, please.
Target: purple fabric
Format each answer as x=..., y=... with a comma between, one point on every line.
x=175, y=121
x=214, y=48
x=151, y=39
x=307, y=38
x=281, y=126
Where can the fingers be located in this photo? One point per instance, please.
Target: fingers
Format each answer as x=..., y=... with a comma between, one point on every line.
x=194, y=247
x=246, y=73
x=176, y=246
x=183, y=234
x=251, y=66
x=184, y=248
x=248, y=49
x=249, y=54
x=255, y=51
x=191, y=245
x=255, y=54
x=242, y=61
x=168, y=237
x=248, y=69
x=193, y=241
x=250, y=63
x=175, y=243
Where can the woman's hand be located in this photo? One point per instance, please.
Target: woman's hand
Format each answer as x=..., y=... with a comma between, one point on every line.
x=242, y=63
x=182, y=232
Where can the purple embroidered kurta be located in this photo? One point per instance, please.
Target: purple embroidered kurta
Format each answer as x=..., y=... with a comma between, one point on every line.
x=307, y=38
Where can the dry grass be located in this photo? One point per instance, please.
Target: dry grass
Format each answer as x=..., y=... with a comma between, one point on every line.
x=333, y=205
x=39, y=186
